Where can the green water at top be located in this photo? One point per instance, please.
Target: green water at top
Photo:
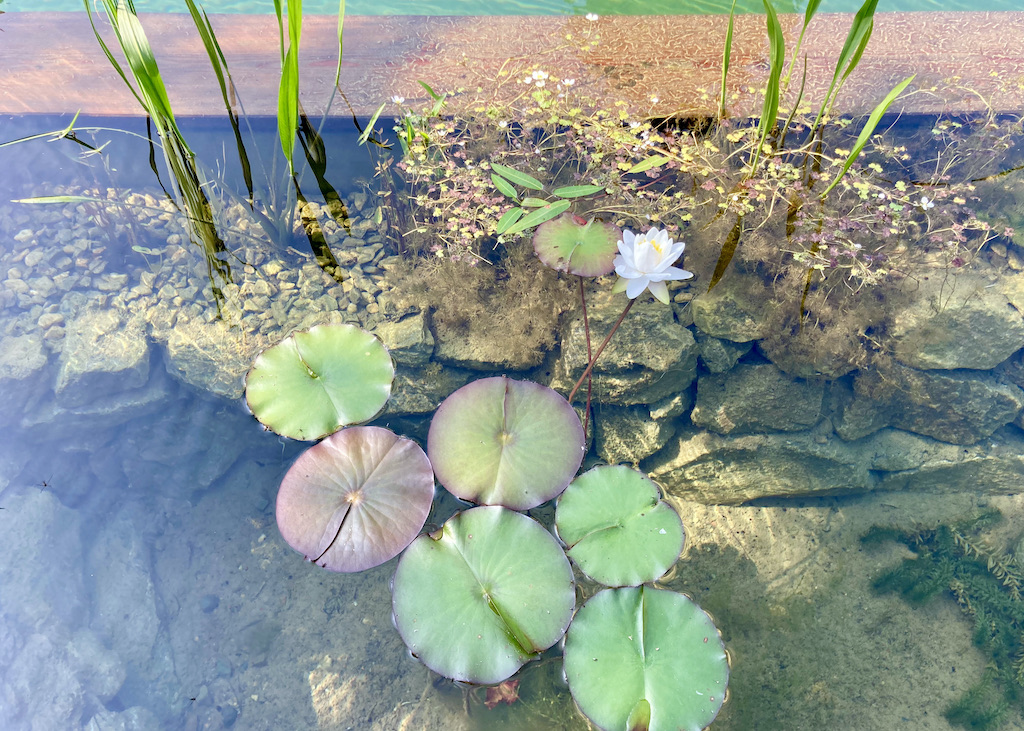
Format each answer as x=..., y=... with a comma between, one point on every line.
x=530, y=7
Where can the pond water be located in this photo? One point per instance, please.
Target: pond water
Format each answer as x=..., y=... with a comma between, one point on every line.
x=144, y=583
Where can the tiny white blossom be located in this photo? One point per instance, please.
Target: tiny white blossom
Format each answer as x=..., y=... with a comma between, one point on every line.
x=568, y=82
x=655, y=99
x=398, y=99
x=540, y=83
x=926, y=203
x=540, y=75
x=591, y=16
x=503, y=124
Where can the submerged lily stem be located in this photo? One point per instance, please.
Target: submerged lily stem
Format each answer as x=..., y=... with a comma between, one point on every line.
x=590, y=365
x=590, y=380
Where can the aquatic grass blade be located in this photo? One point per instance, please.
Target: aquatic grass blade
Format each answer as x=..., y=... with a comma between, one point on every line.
x=341, y=41
x=869, y=128
x=514, y=176
x=777, y=61
x=812, y=8
x=539, y=216
x=220, y=69
x=726, y=56
x=732, y=240
x=368, y=130
x=856, y=41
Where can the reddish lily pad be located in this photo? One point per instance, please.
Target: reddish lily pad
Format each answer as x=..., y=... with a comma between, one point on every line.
x=356, y=499
x=572, y=244
x=497, y=441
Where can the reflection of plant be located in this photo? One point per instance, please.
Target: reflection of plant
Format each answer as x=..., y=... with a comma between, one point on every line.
x=987, y=585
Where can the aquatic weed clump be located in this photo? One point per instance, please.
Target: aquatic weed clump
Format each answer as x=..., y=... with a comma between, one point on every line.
x=987, y=585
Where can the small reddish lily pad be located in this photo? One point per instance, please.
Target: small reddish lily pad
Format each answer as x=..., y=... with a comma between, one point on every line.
x=356, y=499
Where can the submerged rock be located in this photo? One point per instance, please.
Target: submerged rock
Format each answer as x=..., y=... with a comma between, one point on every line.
x=103, y=354
x=710, y=468
x=961, y=321
x=629, y=434
x=756, y=397
x=650, y=357
x=736, y=309
x=959, y=406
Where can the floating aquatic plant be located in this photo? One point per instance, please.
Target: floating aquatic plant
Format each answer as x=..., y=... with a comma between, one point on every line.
x=498, y=441
x=644, y=658
x=314, y=382
x=616, y=527
x=356, y=499
x=483, y=595
x=575, y=245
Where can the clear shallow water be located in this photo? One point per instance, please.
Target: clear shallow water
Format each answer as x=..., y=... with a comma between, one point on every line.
x=530, y=7
x=142, y=578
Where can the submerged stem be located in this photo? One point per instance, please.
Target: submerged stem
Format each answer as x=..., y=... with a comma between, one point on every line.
x=590, y=365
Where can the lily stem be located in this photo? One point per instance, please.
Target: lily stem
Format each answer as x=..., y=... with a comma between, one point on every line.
x=590, y=365
x=586, y=329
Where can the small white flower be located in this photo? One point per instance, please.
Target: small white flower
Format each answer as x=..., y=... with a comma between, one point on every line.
x=645, y=261
x=398, y=99
x=540, y=75
x=568, y=82
x=540, y=83
x=528, y=80
x=926, y=203
x=591, y=16
x=503, y=124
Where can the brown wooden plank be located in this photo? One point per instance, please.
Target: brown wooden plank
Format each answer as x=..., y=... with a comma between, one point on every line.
x=51, y=63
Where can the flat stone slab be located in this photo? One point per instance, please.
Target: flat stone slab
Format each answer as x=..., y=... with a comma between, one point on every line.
x=662, y=65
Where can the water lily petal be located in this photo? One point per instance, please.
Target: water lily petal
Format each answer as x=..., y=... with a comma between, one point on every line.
x=670, y=274
x=635, y=287
x=659, y=290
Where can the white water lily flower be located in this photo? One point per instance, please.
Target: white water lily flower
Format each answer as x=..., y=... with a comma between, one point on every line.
x=645, y=261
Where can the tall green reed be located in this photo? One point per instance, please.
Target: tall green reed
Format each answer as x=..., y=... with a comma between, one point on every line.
x=151, y=93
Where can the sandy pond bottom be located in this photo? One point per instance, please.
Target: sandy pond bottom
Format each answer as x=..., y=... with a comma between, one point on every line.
x=813, y=647
x=243, y=633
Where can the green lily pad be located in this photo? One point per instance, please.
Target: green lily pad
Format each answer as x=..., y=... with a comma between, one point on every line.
x=643, y=654
x=356, y=499
x=617, y=528
x=313, y=383
x=502, y=442
x=489, y=591
x=571, y=244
